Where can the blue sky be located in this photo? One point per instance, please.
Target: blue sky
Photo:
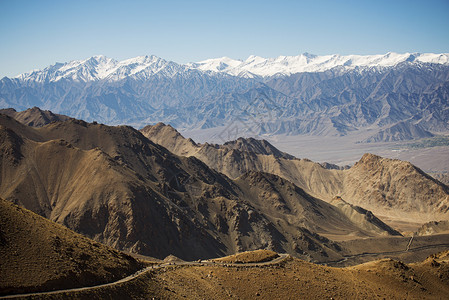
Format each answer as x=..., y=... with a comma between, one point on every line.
x=35, y=34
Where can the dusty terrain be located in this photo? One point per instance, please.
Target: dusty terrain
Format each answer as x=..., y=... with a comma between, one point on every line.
x=40, y=255
x=114, y=185
x=289, y=279
x=249, y=257
x=394, y=190
x=300, y=280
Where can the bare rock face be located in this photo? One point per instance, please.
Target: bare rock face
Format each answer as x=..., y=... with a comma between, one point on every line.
x=256, y=146
x=364, y=218
x=114, y=185
x=234, y=162
x=395, y=186
x=384, y=186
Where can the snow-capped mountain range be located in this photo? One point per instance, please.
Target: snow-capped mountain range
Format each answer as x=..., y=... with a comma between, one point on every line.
x=100, y=67
x=287, y=65
x=142, y=67
x=395, y=96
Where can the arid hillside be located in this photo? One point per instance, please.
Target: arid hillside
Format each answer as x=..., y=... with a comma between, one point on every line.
x=40, y=255
x=290, y=278
x=234, y=161
x=34, y=117
x=390, y=188
x=114, y=185
x=396, y=189
x=297, y=279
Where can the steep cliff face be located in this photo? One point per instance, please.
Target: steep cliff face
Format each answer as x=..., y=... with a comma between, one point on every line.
x=118, y=187
x=384, y=186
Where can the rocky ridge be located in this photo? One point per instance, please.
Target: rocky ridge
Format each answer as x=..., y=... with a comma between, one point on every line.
x=114, y=185
x=384, y=186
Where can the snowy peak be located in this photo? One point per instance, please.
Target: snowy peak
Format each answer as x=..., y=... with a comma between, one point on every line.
x=215, y=64
x=143, y=67
x=104, y=68
x=286, y=65
x=78, y=70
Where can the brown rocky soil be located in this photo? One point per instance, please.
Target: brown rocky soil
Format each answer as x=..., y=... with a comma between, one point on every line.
x=117, y=187
x=434, y=227
x=396, y=191
x=40, y=255
x=294, y=279
x=249, y=257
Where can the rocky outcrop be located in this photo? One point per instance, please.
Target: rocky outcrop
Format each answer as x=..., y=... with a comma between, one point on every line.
x=434, y=227
x=397, y=187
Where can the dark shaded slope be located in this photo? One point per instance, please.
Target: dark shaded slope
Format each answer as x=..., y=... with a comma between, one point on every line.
x=40, y=255
x=257, y=147
x=93, y=194
x=116, y=186
x=384, y=186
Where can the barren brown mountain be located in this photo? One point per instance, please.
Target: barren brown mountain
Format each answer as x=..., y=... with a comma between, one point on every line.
x=34, y=117
x=114, y=185
x=395, y=190
x=40, y=255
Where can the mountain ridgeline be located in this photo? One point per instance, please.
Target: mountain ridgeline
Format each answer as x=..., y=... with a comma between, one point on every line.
x=117, y=187
x=385, y=186
x=396, y=96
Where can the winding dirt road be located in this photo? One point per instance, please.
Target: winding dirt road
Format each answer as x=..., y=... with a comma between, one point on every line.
x=154, y=267
x=348, y=257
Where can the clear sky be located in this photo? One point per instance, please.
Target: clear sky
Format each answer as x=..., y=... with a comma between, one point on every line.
x=38, y=33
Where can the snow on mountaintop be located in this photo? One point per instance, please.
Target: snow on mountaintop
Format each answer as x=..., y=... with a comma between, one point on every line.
x=142, y=67
x=286, y=65
x=216, y=64
x=103, y=68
